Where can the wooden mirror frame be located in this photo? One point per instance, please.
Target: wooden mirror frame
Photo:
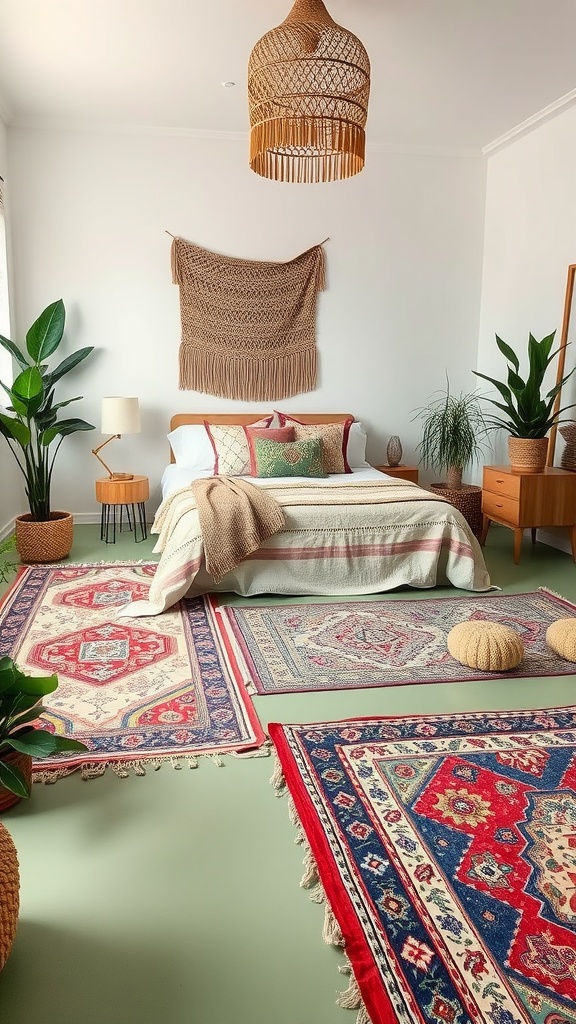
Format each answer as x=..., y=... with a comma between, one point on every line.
x=562, y=355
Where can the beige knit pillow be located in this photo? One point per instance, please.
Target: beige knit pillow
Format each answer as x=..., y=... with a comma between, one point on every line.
x=489, y=646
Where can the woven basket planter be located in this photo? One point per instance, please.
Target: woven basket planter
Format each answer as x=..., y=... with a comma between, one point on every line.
x=468, y=501
x=9, y=894
x=24, y=763
x=527, y=454
x=48, y=541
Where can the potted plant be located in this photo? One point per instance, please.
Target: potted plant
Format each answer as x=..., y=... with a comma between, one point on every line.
x=22, y=736
x=528, y=415
x=453, y=436
x=34, y=433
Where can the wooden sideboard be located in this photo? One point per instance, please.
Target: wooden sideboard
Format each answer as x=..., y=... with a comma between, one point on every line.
x=528, y=501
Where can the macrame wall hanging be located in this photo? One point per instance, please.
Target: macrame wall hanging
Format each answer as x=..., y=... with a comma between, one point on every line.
x=248, y=327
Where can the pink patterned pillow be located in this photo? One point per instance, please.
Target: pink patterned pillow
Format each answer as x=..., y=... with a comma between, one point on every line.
x=334, y=439
x=230, y=444
x=282, y=434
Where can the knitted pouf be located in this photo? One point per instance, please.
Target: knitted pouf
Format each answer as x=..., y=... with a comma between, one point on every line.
x=9, y=893
x=488, y=646
x=561, y=637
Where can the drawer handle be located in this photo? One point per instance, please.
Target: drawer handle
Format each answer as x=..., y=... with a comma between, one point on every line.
x=499, y=481
x=499, y=506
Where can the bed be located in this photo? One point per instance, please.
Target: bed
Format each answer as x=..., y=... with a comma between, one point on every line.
x=359, y=532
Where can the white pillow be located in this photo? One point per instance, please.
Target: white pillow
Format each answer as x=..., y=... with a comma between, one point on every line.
x=192, y=447
x=356, y=449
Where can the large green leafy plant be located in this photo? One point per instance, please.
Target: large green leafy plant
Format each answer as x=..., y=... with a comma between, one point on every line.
x=20, y=731
x=526, y=411
x=30, y=424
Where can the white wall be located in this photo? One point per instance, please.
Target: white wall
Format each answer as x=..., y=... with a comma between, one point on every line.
x=404, y=269
x=11, y=491
x=530, y=239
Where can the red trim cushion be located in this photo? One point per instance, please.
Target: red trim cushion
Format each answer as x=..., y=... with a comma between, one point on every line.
x=334, y=437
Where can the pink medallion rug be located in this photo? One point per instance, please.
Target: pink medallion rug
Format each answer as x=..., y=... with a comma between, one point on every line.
x=293, y=647
x=133, y=690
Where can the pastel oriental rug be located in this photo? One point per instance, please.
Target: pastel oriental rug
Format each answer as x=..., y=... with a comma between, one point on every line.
x=135, y=691
x=339, y=645
x=446, y=850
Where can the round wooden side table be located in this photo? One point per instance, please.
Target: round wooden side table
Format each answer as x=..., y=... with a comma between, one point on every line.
x=128, y=496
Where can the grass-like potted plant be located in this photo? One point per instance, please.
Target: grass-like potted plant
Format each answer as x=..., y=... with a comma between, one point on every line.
x=22, y=736
x=34, y=433
x=454, y=435
x=527, y=413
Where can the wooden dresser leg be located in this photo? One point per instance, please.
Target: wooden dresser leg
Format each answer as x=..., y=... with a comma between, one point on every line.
x=518, y=534
x=533, y=531
x=485, y=527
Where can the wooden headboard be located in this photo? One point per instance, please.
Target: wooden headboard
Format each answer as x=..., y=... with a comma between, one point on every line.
x=242, y=418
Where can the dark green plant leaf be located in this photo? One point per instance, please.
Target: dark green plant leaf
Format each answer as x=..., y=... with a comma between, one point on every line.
x=68, y=364
x=46, y=332
x=14, y=352
x=40, y=743
x=15, y=429
x=13, y=780
x=508, y=352
x=27, y=392
x=64, y=427
x=35, y=686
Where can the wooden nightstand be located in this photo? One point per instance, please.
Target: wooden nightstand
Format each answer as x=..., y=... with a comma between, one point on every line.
x=403, y=472
x=528, y=501
x=128, y=495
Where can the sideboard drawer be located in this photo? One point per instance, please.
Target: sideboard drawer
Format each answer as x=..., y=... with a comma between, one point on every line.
x=501, y=483
x=500, y=507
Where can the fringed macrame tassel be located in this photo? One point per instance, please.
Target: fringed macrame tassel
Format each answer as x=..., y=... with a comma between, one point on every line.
x=247, y=379
x=331, y=932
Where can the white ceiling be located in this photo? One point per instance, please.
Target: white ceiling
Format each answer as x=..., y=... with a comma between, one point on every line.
x=454, y=74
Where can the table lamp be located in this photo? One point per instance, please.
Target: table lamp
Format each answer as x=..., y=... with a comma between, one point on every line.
x=119, y=416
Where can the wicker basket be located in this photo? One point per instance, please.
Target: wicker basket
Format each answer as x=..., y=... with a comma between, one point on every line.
x=24, y=763
x=468, y=501
x=9, y=894
x=48, y=541
x=528, y=454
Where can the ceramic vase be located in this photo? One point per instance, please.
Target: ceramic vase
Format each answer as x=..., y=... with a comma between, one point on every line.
x=394, y=451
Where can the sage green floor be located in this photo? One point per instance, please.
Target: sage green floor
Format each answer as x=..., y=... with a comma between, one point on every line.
x=174, y=898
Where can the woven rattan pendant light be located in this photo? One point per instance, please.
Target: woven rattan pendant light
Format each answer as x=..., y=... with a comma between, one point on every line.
x=308, y=89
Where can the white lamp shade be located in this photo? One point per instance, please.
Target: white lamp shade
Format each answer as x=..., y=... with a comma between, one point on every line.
x=120, y=416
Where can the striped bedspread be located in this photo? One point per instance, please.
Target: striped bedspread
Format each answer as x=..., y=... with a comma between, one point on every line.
x=361, y=538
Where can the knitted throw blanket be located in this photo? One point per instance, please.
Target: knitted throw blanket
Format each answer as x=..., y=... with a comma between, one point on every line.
x=235, y=518
x=248, y=327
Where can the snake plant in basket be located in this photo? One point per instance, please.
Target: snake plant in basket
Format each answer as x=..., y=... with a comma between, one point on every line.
x=22, y=736
x=528, y=414
x=34, y=433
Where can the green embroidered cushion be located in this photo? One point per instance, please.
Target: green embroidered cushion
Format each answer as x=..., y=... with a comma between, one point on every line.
x=291, y=458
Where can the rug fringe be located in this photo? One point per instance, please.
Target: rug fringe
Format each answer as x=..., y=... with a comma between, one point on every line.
x=124, y=769
x=310, y=876
x=278, y=780
x=554, y=593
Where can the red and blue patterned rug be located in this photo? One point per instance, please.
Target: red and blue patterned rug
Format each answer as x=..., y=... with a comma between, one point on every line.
x=132, y=690
x=339, y=645
x=446, y=847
